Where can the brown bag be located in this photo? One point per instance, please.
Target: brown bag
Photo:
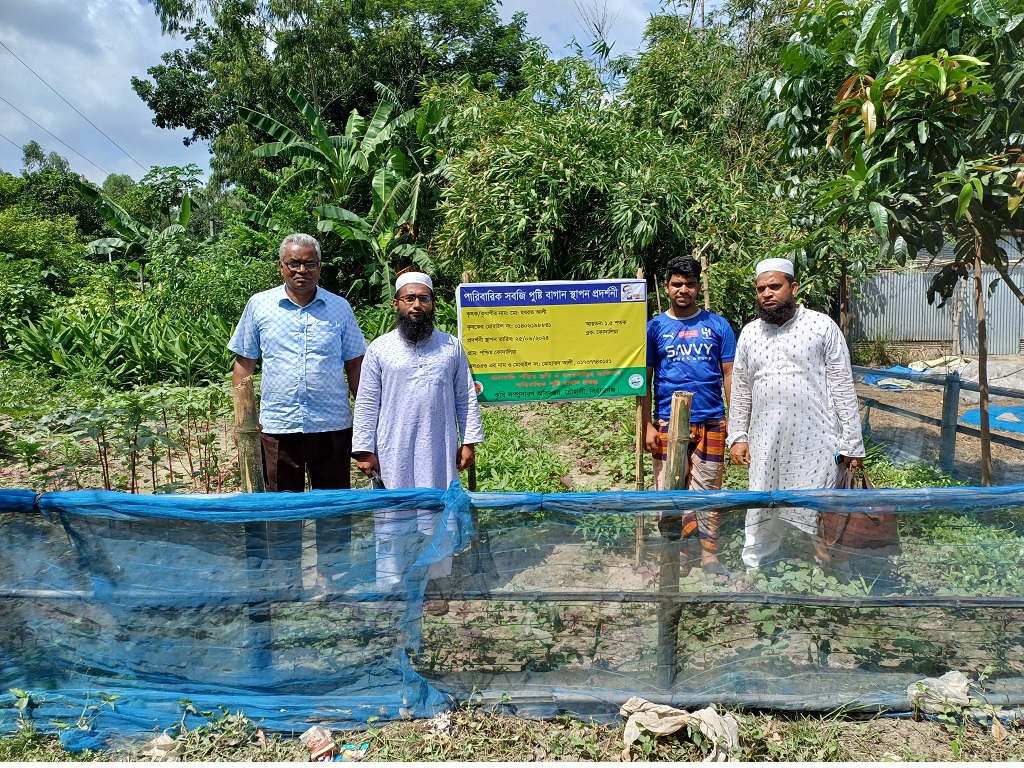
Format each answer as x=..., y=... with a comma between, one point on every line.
x=844, y=535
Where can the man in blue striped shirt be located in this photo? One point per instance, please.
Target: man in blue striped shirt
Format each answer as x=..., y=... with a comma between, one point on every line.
x=311, y=347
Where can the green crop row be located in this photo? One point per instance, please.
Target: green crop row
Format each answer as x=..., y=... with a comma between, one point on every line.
x=129, y=346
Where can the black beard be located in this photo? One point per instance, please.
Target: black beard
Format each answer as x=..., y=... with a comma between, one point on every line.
x=413, y=330
x=777, y=315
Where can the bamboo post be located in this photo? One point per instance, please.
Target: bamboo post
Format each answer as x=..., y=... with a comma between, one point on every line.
x=247, y=435
x=670, y=611
x=638, y=460
x=979, y=300
x=250, y=471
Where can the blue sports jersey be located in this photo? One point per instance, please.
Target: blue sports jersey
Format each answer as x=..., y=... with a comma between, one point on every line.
x=687, y=356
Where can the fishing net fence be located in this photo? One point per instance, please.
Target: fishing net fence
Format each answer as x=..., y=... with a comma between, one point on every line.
x=121, y=614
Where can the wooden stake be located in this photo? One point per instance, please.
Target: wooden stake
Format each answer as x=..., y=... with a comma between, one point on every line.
x=247, y=435
x=678, y=441
x=668, y=574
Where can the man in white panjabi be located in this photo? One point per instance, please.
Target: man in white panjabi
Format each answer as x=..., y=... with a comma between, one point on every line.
x=416, y=421
x=793, y=412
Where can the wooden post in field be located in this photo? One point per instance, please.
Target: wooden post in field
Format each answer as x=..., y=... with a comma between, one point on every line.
x=638, y=460
x=705, y=283
x=669, y=611
x=247, y=435
x=250, y=472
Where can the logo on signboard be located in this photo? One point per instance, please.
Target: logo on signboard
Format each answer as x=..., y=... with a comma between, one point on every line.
x=478, y=386
x=634, y=292
x=636, y=381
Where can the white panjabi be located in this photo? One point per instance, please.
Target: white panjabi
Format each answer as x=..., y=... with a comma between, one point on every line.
x=793, y=402
x=416, y=405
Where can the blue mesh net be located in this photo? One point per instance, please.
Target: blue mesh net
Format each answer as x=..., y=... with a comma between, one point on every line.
x=552, y=604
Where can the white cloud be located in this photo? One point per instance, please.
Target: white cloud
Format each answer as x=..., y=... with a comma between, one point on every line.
x=88, y=51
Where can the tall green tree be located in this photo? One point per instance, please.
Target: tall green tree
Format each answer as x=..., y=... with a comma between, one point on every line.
x=249, y=54
x=558, y=183
x=921, y=114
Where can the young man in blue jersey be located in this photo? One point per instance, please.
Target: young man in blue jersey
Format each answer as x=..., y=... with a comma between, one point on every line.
x=690, y=350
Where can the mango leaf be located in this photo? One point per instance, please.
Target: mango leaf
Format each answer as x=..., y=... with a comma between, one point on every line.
x=986, y=12
x=880, y=218
x=964, y=200
x=870, y=119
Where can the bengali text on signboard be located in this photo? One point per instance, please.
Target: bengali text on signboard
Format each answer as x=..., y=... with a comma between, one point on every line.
x=555, y=340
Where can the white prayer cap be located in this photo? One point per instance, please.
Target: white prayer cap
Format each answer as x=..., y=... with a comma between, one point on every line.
x=785, y=266
x=413, y=277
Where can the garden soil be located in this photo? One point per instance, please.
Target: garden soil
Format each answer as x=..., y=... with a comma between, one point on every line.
x=910, y=439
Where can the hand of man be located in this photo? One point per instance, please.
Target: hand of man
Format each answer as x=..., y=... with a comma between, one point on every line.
x=740, y=453
x=467, y=456
x=852, y=461
x=367, y=462
x=651, y=438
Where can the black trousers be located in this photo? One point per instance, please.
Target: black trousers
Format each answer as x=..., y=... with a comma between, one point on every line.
x=287, y=458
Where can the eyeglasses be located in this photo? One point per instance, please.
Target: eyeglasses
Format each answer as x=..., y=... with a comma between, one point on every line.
x=298, y=266
x=411, y=298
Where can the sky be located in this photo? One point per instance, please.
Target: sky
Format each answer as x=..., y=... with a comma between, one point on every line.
x=86, y=51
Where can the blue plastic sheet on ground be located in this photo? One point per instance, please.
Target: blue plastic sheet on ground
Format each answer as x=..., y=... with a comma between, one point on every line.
x=1006, y=419
x=874, y=379
x=120, y=614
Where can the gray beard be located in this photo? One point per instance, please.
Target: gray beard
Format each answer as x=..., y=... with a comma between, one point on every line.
x=777, y=315
x=415, y=331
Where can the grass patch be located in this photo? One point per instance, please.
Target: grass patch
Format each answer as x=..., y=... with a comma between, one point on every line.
x=513, y=459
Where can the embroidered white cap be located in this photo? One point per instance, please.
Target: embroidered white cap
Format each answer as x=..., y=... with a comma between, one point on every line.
x=785, y=266
x=413, y=277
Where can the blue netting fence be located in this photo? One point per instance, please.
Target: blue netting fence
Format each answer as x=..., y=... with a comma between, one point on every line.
x=557, y=604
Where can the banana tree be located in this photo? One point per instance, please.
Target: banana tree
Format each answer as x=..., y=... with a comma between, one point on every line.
x=332, y=162
x=134, y=239
x=395, y=151
x=389, y=229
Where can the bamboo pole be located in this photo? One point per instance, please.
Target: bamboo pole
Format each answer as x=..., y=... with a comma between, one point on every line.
x=250, y=471
x=678, y=441
x=669, y=611
x=247, y=435
x=638, y=457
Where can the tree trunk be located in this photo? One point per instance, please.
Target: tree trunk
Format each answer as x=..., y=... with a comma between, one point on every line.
x=844, y=299
x=979, y=298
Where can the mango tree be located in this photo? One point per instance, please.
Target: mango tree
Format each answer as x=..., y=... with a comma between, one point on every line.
x=918, y=105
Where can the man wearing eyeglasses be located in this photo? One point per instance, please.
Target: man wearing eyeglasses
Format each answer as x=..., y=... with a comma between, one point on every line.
x=312, y=352
x=416, y=421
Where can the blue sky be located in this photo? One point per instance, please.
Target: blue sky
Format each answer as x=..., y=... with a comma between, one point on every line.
x=87, y=50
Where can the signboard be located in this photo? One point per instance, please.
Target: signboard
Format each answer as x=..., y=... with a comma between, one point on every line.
x=555, y=340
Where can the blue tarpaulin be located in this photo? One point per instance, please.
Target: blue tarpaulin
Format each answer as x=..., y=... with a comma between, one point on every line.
x=1006, y=419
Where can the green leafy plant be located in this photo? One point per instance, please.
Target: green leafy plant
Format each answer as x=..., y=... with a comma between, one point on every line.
x=23, y=703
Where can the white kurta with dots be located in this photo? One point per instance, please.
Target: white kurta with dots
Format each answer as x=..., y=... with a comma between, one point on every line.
x=794, y=403
x=416, y=405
